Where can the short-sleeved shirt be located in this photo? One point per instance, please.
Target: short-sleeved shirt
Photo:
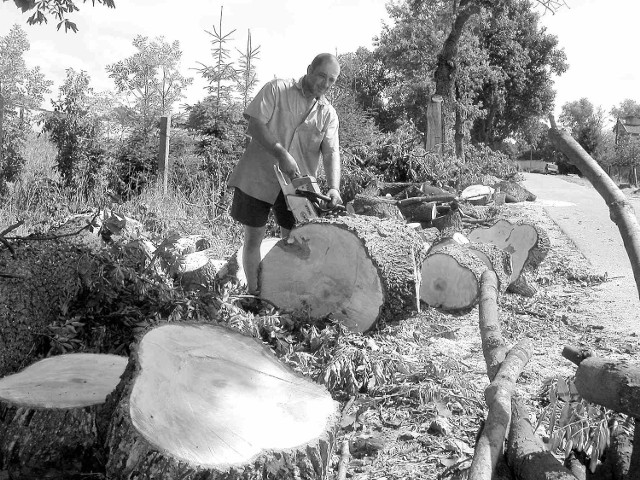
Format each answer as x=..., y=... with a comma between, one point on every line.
x=307, y=128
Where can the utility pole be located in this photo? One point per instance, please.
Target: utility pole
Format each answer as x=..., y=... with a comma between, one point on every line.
x=1, y=124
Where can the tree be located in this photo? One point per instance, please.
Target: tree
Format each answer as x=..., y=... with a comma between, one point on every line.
x=56, y=8
x=246, y=79
x=75, y=129
x=522, y=58
x=627, y=108
x=151, y=80
x=20, y=87
x=584, y=122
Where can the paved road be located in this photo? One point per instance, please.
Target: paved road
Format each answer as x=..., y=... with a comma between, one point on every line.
x=582, y=215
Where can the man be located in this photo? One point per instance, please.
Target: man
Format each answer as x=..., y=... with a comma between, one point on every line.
x=292, y=125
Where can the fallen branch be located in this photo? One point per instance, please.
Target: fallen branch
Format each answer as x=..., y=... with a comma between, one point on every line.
x=620, y=209
x=498, y=397
x=493, y=344
x=526, y=455
x=343, y=465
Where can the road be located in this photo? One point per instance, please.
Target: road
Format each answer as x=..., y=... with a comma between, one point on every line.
x=583, y=216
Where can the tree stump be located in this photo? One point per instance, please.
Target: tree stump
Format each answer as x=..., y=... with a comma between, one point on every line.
x=50, y=412
x=205, y=402
x=527, y=244
x=358, y=269
x=515, y=190
x=423, y=212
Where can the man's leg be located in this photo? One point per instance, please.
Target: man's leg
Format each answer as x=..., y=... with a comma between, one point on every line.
x=253, y=237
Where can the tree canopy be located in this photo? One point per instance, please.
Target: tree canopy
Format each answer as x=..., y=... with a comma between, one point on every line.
x=59, y=9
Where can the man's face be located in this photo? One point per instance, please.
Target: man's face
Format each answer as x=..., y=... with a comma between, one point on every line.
x=322, y=78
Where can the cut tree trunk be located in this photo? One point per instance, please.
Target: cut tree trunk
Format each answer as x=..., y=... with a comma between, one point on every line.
x=376, y=207
x=359, y=269
x=419, y=212
x=448, y=224
x=451, y=275
x=612, y=384
x=50, y=414
x=233, y=270
x=205, y=402
x=528, y=245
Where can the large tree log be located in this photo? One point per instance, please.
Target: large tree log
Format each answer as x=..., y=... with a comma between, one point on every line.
x=358, y=269
x=515, y=190
x=423, y=212
x=528, y=245
x=620, y=209
x=376, y=207
x=49, y=414
x=204, y=402
x=451, y=275
x=612, y=384
x=526, y=455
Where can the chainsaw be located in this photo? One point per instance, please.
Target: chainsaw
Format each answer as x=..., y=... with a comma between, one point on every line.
x=303, y=197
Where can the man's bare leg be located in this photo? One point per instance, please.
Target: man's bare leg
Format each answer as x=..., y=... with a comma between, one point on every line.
x=251, y=256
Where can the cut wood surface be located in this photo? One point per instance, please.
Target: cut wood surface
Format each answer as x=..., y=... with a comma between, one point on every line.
x=358, y=269
x=527, y=244
x=612, y=384
x=203, y=401
x=451, y=274
x=49, y=414
x=233, y=270
x=419, y=212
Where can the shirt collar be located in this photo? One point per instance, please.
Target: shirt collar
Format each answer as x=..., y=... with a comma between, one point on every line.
x=321, y=101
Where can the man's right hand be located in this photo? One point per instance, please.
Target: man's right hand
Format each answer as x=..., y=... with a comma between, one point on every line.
x=288, y=164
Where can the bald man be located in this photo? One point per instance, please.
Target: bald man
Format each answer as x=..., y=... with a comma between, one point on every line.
x=293, y=125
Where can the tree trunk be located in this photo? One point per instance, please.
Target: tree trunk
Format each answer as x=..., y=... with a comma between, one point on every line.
x=359, y=269
x=614, y=384
x=376, y=207
x=205, y=402
x=50, y=415
x=515, y=190
x=451, y=276
x=419, y=212
x=528, y=245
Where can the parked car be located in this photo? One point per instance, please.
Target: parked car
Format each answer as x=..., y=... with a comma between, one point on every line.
x=551, y=168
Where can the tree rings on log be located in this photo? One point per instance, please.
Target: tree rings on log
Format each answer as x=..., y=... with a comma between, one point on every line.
x=48, y=414
x=205, y=402
x=451, y=278
x=358, y=269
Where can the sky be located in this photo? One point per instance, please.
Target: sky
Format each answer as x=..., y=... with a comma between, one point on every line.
x=598, y=36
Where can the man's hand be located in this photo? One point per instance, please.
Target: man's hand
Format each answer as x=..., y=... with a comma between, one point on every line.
x=336, y=199
x=288, y=164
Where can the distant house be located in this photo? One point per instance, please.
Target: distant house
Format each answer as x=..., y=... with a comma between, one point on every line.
x=627, y=126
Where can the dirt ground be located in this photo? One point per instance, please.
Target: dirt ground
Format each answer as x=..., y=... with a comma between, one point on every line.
x=423, y=423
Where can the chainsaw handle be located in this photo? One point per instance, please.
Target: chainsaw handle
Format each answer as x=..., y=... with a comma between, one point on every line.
x=315, y=195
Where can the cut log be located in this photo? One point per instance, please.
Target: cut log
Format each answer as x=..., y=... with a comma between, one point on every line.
x=202, y=401
x=200, y=270
x=448, y=224
x=49, y=414
x=233, y=270
x=419, y=212
x=527, y=244
x=515, y=190
x=451, y=274
x=376, y=207
x=612, y=384
x=359, y=269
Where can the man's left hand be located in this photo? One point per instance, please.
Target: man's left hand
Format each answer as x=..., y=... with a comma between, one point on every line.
x=336, y=199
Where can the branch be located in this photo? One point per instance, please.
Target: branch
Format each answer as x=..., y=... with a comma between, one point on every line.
x=493, y=344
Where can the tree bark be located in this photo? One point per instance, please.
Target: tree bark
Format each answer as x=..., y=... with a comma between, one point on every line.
x=526, y=455
x=376, y=207
x=493, y=345
x=205, y=402
x=50, y=415
x=361, y=270
x=620, y=210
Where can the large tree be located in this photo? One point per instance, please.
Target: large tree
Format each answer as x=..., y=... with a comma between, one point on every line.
x=522, y=60
x=20, y=88
x=151, y=80
x=627, y=108
x=584, y=121
x=59, y=9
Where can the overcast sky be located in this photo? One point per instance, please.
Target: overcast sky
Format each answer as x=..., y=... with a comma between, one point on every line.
x=599, y=38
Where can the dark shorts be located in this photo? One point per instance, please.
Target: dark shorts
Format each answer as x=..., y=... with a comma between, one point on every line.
x=252, y=212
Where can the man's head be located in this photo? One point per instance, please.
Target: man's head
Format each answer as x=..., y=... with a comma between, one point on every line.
x=321, y=74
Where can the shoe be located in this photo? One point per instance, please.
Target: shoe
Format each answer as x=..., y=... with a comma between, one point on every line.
x=251, y=304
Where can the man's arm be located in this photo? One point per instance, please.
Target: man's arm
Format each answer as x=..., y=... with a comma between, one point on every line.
x=261, y=133
x=332, y=169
